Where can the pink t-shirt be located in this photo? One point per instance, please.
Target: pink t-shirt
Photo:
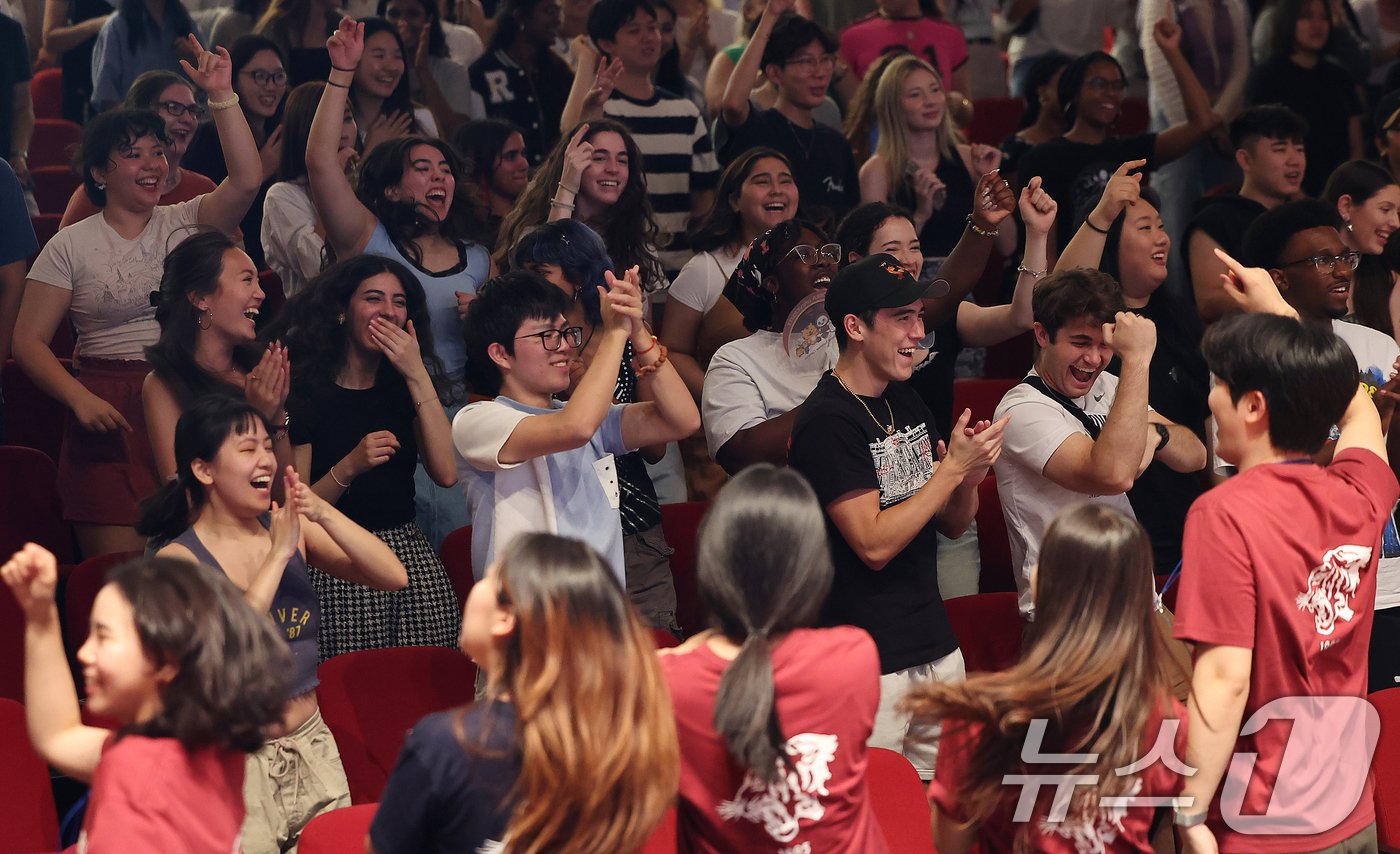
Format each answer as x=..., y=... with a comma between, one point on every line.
x=1113, y=829
x=150, y=794
x=1281, y=559
x=939, y=42
x=827, y=683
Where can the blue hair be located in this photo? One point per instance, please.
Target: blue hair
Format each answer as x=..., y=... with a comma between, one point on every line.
x=574, y=248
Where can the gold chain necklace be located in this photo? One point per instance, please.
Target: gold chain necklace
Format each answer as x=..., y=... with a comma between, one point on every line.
x=888, y=431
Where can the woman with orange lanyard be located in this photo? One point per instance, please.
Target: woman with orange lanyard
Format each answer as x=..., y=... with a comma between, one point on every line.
x=99, y=274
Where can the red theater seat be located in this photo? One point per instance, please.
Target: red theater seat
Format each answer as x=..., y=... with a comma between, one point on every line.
x=341, y=831
x=900, y=804
x=28, y=817
x=988, y=627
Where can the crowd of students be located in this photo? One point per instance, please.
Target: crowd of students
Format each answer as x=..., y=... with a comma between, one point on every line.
x=549, y=268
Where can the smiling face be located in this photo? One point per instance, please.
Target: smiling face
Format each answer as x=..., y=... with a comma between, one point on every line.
x=1374, y=220
x=135, y=174
x=1276, y=166
x=895, y=236
x=804, y=78
x=382, y=65
x=179, y=129
x=409, y=16
x=890, y=342
x=1313, y=29
x=767, y=196
x=427, y=181
x=381, y=296
x=1071, y=361
x=122, y=681
x=1101, y=96
x=260, y=99
x=532, y=370
x=511, y=172
x=236, y=300
x=637, y=43
x=924, y=101
x=1142, y=253
x=794, y=280
x=240, y=476
x=542, y=25
x=605, y=178
x=1316, y=294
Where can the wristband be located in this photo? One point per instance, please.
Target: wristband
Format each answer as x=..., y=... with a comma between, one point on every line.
x=224, y=105
x=636, y=352
x=566, y=187
x=1089, y=222
x=337, y=85
x=338, y=68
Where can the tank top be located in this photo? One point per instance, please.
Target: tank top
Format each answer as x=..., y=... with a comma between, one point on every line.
x=294, y=610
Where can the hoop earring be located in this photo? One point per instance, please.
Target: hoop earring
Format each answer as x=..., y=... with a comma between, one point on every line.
x=205, y=319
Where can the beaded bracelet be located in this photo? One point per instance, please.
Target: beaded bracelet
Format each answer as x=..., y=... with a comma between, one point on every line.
x=224, y=105
x=643, y=370
x=979, y=230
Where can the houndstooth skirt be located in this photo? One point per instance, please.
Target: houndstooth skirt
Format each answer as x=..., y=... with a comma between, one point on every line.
x=425, y=613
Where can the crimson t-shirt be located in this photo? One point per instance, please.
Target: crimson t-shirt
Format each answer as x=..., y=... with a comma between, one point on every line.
x=150, y=794
x=939, y=43
x=827, y=684
x=1111, y=829
x=1281, y=559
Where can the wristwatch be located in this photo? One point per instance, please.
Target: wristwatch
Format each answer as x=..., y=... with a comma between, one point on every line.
x=1163, y=434
x=1187, y=819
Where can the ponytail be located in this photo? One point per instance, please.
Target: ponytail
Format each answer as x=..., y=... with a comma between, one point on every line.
x=166, y=514
x=746, y=712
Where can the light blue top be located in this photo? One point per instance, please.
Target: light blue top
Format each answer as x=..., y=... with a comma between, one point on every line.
x=572, y=493
x=115, y=66
x=441, y=289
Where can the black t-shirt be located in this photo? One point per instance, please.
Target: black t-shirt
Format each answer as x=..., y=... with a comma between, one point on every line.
x=13, y=72
x=838, y=448
x=945, y=227
x=1178, y=385
x=451, y=795
x=933, y=380
x=1224, y=219
x=822, y=163
x=1075, y=173
x=335, y=423
x=1325, y=96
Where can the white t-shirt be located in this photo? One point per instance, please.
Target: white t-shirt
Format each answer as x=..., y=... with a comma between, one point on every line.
x=1375, y=354
x=289, y=237
x=1029, y=500
x=700, y=282
x=112, y=278
x=752, y=380
x=463, y=44
x=571, y=493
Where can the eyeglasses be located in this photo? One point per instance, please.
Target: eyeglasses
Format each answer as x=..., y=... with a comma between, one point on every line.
x=825, y=62
x=1328, y=263
x=263, y=78
x=552, y=339
x=177, y=109
x=1104, y=84
x=812, y=256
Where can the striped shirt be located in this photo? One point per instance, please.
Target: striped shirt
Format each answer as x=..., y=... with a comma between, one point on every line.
x=678, y=158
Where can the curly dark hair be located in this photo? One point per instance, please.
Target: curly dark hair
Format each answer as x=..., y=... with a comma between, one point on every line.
x=628, y=228
x=231, y=667
x=406, y=221
x=721, y=226
x=310, y=325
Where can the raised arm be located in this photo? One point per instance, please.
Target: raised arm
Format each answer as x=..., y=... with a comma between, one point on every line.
x=1109, y=464
x=225, y=207
x=980, y=326
x=1122, y=191
x=1200, y=120
x=992, y=202
x=348, y=223
x=666, y=411
x=50, y=700
x=339, y=546
x=734, y=108
x=593, y=85
x=878, y=536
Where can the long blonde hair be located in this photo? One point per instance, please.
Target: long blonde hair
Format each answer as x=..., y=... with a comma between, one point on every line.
x=1094, y=666
x=600, y=761
x=893, y=145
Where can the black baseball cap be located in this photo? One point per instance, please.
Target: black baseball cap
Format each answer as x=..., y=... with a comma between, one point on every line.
x=874, y=282
x=1387, y=112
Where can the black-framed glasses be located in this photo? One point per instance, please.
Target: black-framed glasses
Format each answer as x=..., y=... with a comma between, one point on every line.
x=824, y=62
x=811, y=255
x=552, y=339
x=1328, y=263
x=263, y=78
x=177, y=109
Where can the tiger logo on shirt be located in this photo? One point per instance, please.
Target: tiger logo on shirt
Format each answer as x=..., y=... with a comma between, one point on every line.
x=1331, y=586
x=795, y=795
